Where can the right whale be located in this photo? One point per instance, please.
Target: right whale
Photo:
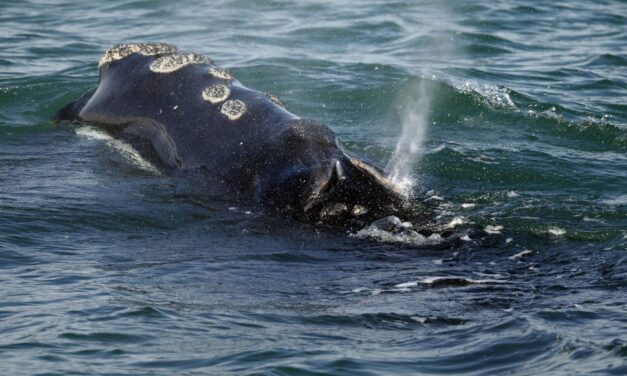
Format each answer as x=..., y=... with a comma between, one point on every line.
x=198, y=118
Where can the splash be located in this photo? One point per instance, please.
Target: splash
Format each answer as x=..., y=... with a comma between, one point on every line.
x=494, y=96
x=414, y=121
x=392, y=230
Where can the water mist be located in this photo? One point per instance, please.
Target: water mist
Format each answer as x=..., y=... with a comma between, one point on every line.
x=414, y=122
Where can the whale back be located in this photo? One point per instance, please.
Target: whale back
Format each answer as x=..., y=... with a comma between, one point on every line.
x=187, y=107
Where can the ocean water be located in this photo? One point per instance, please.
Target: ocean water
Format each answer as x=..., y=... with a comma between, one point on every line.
x=509, y=116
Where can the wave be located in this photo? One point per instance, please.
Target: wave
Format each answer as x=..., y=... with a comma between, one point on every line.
x=482, y=105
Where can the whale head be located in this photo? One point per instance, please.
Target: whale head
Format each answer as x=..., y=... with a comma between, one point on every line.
x=316, y=179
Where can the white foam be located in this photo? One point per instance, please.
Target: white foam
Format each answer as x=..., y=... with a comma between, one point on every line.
x=484, y=159
x=556, y=231
x=409, y=237
x=124, y=149
x=452, y=279
x=493, y=275
x=419, y=319
x=436, y=149
x=493, y=95
x=457, y=221
x=588, y=219
x=617, y=200
x=404, y=184
x=520, y=254
x=407, y=284
x=493, y=229
x=435, y=197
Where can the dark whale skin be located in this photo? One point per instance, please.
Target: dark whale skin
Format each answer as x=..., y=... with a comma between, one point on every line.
x=266, y=154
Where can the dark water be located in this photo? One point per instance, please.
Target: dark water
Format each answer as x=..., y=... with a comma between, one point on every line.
x=110, y=268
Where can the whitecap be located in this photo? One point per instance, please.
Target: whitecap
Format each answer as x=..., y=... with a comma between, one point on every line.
x=450, y=280
x=493, y=229
x=406, y=236
x=492, y=95
x=457, y=221
x=556, y=231
x=520, y=254
x=617, y=200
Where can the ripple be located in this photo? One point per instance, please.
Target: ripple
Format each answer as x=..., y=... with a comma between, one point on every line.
x=387, y=321
x=106, y=337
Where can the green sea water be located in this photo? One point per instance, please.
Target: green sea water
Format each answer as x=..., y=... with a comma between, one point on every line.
x=516, y=113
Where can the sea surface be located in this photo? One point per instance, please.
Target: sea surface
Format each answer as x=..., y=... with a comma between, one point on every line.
x=516, y=115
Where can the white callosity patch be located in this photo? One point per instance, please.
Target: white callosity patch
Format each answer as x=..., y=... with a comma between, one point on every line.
x=174, y=62
x=216, y=93
x=124, y=50
x=220, y=73
x=233, y=109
